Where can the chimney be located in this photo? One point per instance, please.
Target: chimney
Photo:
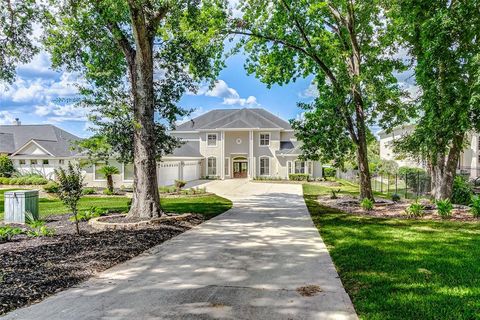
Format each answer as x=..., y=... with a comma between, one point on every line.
x=17, y=122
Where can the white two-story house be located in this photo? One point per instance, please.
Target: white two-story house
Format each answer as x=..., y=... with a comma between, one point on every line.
x=243, y=143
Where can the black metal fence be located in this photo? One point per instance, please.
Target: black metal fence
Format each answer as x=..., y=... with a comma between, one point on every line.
x=411, y=185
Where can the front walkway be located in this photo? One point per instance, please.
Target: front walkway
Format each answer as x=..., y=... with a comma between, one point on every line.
x=247, y=263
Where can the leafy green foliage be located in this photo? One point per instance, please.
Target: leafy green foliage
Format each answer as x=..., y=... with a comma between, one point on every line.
x=395, y=197
x=51, y=187
x=416, y=178
x=70, y=187
x=462, y=191
x=16, y=35
x=444, y=208
x=88, y=191
x=6, y=166
x=475, y=206
x=415, y=209
x=108, y=192
x=367, y=204
x=41, y=231
x=298, y=177
x=24, y=181
x=8, y=232
x=108, y=171
x=92, y=212
x=334, y=193
x=329, y=172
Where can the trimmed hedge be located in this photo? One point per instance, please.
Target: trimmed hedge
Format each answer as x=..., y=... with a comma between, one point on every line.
x=23, y=181
x=298, y=177
x=329, y=172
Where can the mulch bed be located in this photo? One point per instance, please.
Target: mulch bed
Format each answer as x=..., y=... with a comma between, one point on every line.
x=389, y=209
x=34, y=268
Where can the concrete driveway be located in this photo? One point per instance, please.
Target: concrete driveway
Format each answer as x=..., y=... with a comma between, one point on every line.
x=248, y=263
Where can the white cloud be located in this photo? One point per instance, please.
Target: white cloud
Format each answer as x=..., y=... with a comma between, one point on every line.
x=60, y=113
x=310, y=92
x=6, y=117
x=229, y=95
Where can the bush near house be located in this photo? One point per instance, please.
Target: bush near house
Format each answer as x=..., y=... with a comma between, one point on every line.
x=462, y=191
x=6, y=166
x=33, y=180
x=298, y=177
x=51, y=187
x=329, y=172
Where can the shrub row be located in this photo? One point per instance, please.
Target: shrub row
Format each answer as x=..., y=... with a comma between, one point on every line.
x=23, y=181
x=298, y=177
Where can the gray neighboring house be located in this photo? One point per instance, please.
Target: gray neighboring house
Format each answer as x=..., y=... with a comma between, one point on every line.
x=37, y=148
x=222, y=143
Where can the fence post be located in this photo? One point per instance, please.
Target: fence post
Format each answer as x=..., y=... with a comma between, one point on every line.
x=381, y=183
x=418, y=183
x=406, y=186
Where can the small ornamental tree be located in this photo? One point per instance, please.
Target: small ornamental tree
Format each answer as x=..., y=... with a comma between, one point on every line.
x=70, y=185
x=6, y=166
x=108, y=171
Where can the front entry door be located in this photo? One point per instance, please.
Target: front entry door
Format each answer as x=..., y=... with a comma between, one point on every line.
x=240, y=169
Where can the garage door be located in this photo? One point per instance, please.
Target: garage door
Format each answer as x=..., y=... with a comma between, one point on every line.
x=191, y=170
x=167, y=172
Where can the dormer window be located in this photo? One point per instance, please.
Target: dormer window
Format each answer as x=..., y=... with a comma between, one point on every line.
x=211, y=139
x=264, y=139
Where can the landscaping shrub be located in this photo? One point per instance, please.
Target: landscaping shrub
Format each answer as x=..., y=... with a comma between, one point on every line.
x=179, y=184
x=51, y=187
x=41, y=231
x=108, y=192
x=395, y=197
x=92, y=212
x=444, y=208
x=415, y=210
x=475, y=206
x=87, y=191
x=329, y=172
x=366, y=204
x=298, y=177
x=416, y=178
x=7, y=232
x=462, y=191
x=23, y=181
x=6, y=166
x=70, y=188
x=167, y=189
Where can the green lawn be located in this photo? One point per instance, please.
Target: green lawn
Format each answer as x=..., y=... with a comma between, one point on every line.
x=208, y=205
x=402, y=269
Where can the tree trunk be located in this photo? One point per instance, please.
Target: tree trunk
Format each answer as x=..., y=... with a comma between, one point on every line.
x=444, y=170
x=110, y=183
x=146, y=198
x=364, y=170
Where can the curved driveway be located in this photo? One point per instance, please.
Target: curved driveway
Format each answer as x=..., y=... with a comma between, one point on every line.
x=247, y=263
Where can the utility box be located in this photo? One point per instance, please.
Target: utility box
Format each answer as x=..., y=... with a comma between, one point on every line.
x=18, y=202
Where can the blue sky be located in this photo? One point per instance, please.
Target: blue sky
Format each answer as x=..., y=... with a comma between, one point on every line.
x=41, y=95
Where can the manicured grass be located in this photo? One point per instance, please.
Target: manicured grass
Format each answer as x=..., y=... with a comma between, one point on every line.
x=402, y=269
x=208, y=205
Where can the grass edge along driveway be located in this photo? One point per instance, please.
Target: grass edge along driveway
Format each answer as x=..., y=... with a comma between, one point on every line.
x=402, y=269
x=209, y=205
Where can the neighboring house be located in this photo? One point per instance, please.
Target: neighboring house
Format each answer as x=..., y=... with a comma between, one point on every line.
x=221, y=144
x=37, y=148
x=468, y=164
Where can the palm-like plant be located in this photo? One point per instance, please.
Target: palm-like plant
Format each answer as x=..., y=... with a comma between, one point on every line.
x=108, y=171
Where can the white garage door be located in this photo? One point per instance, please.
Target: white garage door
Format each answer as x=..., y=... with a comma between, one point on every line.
x=167, y=173
x=191, y=170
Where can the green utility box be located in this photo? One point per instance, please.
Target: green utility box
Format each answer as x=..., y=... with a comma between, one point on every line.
x=18, y=202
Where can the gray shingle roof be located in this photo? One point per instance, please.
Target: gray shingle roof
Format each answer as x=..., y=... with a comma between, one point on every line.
x=188, y=149
x=235, y=119
x=289, y=147
x=55, y=140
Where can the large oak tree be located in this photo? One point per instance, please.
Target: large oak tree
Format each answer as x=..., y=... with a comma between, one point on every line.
x=137, y=43
x=443, y=38
x=345, y=45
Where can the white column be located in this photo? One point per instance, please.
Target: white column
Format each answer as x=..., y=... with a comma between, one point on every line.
x=250, y=155
x=222, y=160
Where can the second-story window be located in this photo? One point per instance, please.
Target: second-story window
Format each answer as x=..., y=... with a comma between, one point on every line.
x=264, y=139
x=212, y=139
